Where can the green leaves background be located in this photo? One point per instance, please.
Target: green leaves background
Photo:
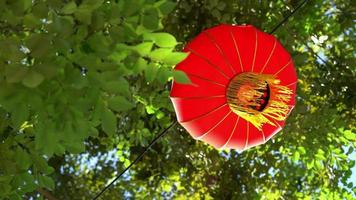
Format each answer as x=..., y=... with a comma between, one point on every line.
x=66, y=73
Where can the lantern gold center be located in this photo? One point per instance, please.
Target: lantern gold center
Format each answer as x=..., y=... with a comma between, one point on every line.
x=258, y=98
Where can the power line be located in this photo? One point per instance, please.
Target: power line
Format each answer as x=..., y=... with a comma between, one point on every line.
x=175, y=122
x=136, y=160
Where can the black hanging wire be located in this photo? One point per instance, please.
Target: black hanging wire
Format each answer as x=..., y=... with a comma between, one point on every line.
x=287, y=17
x=165, y=131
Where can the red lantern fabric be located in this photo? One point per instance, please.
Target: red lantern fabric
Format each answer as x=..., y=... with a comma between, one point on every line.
x=243, y=87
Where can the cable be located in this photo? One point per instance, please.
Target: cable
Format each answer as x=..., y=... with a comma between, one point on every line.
x=137, y=159
x=175, y=122
x=287, y=17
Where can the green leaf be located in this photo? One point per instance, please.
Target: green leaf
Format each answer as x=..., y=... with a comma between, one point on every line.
x=46, y=182
x=32, y=79
x=166, y=56
x=181, y=77
x=22, y=158
x=302, y=150
x=15, y=197
x=120, y=86
x=19, y=115
x=162, y=39
x=160, y=54
x=10, y=50
x=47, y=139
x=21, y=6
x=27, y=182
x=143, y=48
x=120, y=103
x=64, y=28
x=39, y=45
x=69, y=8
x=92, y=4
x=166, y=7
x=97, y=112
x=160, y=115
x=150, y=19
x=122, y=159
x=5, y=189
x=48, y=70
x=83, y=14
x=140, y=65
x=109, y=123
x=296, y=156
x=167, y=188
x=320, y=157
x=310, y=164
x=174, y=58
x=75, y=147
x=151, y=72
x=130, y=7
x=15, y=73
x=349, y=135
x=164, y=74
x=318, y=165
x=31, y=21
x=150, y=109
x=98, y=43
x=127, y=163
x=40, y=164
x=123, y=33
x=40, y=10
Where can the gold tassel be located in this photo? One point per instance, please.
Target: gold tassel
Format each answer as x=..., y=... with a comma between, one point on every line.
x=244, y=95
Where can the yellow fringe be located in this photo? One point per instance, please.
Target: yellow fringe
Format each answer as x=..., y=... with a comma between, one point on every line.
x=244, y=91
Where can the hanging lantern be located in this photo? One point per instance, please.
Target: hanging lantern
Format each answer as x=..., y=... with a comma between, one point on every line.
x=243, y=87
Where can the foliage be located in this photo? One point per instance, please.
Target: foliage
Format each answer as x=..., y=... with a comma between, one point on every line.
x=84, y=87
x=66, y=68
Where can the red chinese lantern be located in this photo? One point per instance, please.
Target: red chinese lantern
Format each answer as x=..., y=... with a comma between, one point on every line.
x=243, y=87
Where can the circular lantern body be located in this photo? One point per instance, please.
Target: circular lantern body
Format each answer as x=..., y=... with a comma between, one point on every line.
x=243, y=87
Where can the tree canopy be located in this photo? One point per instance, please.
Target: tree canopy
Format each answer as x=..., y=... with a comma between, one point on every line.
x=84, y=87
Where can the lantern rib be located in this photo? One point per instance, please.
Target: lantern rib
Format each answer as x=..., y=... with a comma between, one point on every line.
x=237, y=49
x=199, y=97
x=284, y=67
x=232, y=133
x=290, y=84
x=212, y=128
x=213, y=41
x=204, y=115
x=263, y=136
x=210, y=63
x=207, y=80
x=275, y=132
x=290, y=109
x=270, y=55
x=275, y=122
x=247, y=135
x=254, y=55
